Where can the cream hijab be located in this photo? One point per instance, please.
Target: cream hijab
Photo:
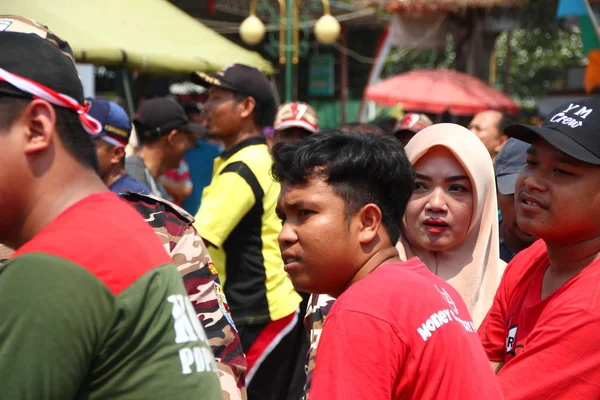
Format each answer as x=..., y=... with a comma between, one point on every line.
x=473, y=267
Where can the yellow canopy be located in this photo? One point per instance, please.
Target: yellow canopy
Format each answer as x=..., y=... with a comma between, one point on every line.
x=149, y=35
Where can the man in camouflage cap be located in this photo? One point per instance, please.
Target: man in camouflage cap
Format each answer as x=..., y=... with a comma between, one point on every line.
x=180, y=239
x=92, y=307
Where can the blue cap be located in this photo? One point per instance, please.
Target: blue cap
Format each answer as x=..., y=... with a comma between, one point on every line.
x=116, y=126
x=509, y=162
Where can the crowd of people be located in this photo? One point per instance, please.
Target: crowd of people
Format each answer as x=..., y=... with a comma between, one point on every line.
x=362, y=262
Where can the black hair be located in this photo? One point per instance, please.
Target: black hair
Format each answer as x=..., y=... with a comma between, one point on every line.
x=73, y=136
x=263, y=114
x=387, y=124
x=505, y=122
x=361, y=168
x=361, y=127
x=143, y=139
x=110, y=147
x=10, y=109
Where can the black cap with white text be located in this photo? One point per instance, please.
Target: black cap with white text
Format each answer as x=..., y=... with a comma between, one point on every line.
x=573, y=128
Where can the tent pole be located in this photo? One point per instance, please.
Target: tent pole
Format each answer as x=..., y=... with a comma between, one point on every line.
x=289, y=47
x=592, y=15
x=128, y=94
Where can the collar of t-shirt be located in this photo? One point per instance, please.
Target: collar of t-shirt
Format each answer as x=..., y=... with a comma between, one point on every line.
x=244, y=143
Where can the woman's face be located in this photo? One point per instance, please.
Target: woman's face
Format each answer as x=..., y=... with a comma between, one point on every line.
x=439, y=212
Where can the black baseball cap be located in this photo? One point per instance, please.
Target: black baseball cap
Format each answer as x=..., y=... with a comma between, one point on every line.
x=32, y=51
x=159, y=116
x=573, y=128
x=508, y=164
x=242, y=79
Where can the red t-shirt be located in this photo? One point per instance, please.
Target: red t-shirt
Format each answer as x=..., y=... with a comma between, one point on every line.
x=105, y=235
x=550, y=347
x=401, y=333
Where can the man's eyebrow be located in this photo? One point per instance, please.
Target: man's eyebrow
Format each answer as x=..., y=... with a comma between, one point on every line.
x=423, y=177
x=567, y=160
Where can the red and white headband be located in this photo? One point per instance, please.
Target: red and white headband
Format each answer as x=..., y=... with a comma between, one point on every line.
x=39, y=91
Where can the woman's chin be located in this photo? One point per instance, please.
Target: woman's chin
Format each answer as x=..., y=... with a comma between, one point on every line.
x=437, y=245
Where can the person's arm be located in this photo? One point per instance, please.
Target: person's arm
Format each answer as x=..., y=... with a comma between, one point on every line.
x=178, y=182
x=359, y=357
x=178, y=190
x=561, y=358
x=224, y=203
x=202, y=285
x=48, y=334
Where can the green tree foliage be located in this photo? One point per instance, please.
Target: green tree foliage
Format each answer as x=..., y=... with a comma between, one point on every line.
x=540, y=60
x=543, y=49
x=403, y=60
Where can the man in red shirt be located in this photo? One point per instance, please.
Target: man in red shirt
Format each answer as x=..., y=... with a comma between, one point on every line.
x=396, y=331
x=542, y=333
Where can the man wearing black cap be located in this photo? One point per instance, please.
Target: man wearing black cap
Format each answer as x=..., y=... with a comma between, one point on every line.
x=110, y=146
x=91, y=305
x=238, y=222
x=509, y=162
x=164, y=133
x=543, y=331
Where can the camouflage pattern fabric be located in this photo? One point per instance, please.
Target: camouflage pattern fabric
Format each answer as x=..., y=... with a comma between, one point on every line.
x=5, y=252
x=15, y=23
x=318, y=308
x=174, y=227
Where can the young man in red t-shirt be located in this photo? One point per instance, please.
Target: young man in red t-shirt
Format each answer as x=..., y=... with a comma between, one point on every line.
x=396, y=331
x=542, y=333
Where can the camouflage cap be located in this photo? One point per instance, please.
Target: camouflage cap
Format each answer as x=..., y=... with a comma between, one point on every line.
x=296, y=115
x=14, y=23
x=31, y=50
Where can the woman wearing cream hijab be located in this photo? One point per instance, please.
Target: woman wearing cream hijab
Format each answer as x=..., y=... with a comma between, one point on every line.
x=451, y=222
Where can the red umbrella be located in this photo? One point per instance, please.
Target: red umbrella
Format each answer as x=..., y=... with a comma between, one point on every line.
x=438, y=90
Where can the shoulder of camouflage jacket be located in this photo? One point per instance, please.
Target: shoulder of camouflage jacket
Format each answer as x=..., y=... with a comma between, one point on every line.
x=317, y=311
x=153, y=201
x=202, y=284
x=5, y=253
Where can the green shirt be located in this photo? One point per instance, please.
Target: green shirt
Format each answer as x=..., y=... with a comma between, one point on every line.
x=99, y=314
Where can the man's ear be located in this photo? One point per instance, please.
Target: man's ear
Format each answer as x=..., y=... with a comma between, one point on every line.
x=40, y=121
x=118, y=153
x=370, y=218
x=270, y=141
x=247, y=106
x=172, y=137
